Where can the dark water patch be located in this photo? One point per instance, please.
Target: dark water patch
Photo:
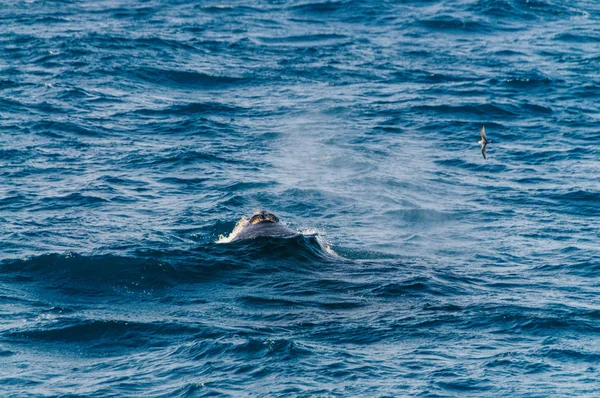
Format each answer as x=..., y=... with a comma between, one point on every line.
x=70, y=201
x=60, y=128
x=256, y=301
x=232, y=202
x=487, y=110
x=447, y=23
x=15, y=155
x=321, y=7
x=233, y=187
x=238, y=262
x=509, y=53
x=74, y=270
x=203, y=108
x=13, y=105
x=48, y=61
x=533, y=180
x=510, y=10
x=56, y=18
x=583, y=268
x=483, y=166
x=73, y=94
x=536, y=109
x=577, y=202
x=416, y=287
x=532, y=321
x=187, y=182
x=432, y=77
x=576, y=38
x=6, y=83
x=503, y=9
x=98, y=333
x=122, y=181
x=442, y=308
x=592, y=197
x=389, y=129
x=180, y=157
x=349, y=305
x=570, y=355
x=189, y=126
x=134, y=13
x=19, y=382
x=518, y=362
x=358, y=334
x=252, y=348
x=4, y=354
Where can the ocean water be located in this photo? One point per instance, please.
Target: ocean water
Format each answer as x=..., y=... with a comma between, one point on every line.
x=135, y=134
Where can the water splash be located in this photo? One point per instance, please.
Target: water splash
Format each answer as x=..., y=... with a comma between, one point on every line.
x=241, y=224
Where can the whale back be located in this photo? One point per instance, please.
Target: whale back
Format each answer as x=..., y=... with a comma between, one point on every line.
x=267, y=229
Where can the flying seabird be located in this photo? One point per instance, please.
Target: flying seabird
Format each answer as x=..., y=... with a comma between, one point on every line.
x=484, y=141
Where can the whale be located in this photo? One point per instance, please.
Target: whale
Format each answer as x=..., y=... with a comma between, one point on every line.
x=261, y=224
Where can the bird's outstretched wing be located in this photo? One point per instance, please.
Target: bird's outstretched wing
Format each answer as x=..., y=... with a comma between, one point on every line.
x=483, y=149
x=482, y=133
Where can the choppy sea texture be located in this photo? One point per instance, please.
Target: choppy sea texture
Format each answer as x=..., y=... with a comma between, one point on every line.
x=134, y=133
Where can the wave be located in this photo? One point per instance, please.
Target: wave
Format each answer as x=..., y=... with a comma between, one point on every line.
x=320, y=7
x=187, y=79
x=70, y=330
x=70, y=201
x=53, y=126
x=577, y=202
x=303, y=248
x=6, y=353
x=526, y=81
x=510, y=10
x=546, y=156
x=419, y=287
x=577, y=38
x=432, y=77
x=202, y=108
x=228, y=9
x=90, y=273
x=474, y=165
x=450, y=23
x=177, y=157
x=480, y=110
x=308, y=39
x=149, y=270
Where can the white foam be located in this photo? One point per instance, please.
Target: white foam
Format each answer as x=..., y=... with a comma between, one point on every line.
x=236, y=231
x=324, y=243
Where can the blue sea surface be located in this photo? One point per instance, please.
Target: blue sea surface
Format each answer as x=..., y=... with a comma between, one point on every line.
x=135, y=134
